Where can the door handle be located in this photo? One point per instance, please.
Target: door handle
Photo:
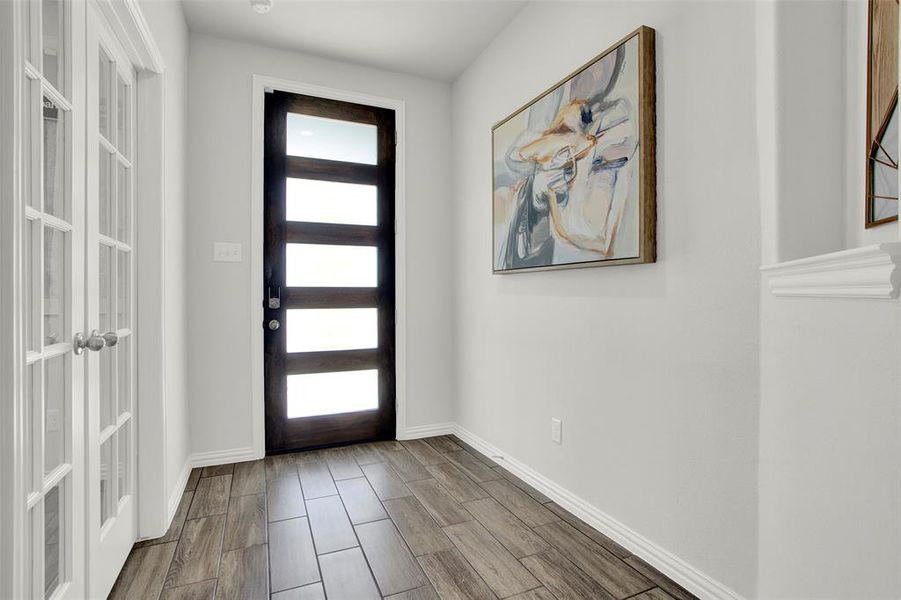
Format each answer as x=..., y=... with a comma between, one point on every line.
x=110, y=338
x=95, y=342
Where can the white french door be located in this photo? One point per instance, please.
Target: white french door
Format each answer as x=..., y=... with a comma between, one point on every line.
x=52, y=282
x=111, y=516
x=77, y=460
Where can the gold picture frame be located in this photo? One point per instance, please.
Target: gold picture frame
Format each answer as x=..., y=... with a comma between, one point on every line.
x=565, y=152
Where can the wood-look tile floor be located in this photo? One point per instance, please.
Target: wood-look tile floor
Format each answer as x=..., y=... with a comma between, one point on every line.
x=414, y=520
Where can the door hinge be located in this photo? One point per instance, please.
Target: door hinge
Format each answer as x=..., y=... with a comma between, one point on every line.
x=395, y=137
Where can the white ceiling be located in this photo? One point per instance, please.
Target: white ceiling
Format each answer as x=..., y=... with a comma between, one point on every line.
x=437, y=39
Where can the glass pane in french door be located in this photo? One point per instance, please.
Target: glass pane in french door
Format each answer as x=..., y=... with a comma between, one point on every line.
x=114, y=272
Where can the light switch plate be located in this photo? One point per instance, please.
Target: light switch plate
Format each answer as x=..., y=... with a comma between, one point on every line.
x=556, y=430
x=226, y=252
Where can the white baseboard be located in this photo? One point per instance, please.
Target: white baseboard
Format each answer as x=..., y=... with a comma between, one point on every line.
x=222, y=457
x=178, y=491
x=692, y=579
x=421, y=431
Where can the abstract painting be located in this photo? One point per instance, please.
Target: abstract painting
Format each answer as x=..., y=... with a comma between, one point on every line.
x=574, y=169
x=882, y=108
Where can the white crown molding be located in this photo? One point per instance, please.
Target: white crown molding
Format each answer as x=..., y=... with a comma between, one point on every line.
x=677, y=569
x=870, y=272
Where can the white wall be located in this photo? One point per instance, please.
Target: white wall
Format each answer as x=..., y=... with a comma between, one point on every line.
x=171, y=34
x=654, y=368
x=830, y=449
x=810, y=128
x=219, y=162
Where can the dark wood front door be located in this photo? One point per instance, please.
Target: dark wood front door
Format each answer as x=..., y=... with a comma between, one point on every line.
x=328, y=272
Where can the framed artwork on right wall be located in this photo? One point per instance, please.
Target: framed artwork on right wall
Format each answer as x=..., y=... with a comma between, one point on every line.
x=882, y=109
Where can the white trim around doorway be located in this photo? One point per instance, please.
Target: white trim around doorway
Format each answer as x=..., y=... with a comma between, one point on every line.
x=260, y=84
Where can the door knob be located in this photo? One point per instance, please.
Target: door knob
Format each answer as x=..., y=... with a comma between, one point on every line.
x=274, y=324
x=110, y=338
x=93, y=343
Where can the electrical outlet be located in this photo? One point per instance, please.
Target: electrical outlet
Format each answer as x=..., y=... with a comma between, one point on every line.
x=226, y=252
x=54, y=421
x=556, y=430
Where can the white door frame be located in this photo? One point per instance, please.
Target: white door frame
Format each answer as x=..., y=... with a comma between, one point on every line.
x=261, y=83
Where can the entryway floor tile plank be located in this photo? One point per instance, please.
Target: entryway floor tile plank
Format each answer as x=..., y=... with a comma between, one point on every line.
x=346, y=576
x=440, y=504
x=417, y=527
x=476, y=470
x=342, y=464
x=426, y=592
x=662, y=581
x=442, y=444
x=394, y=567
x=406, y=466
x=292, y=559
x=461, y=487
x=245, y=522
x=193, y=478
x=285, y=499
x=197, y=555
x=519, y=503
x=453, y=577
x=314, y=591
x=249, y=478
x=360, y=501
x=422, y=452
x=506, y=528
x=211, y=496
x=563, y=578
x=202, y=590
x=385, y=481
x=280, y=465
x=331, y=528
x=216, y=470
x=595, y=535
x=616, y=576
x=535, y=494
x=479, y=456
x=655, y=594
x=244, y=574
x=500, y=570
x=536, y=594
x=315, y=478
x=367, y=454
x=144, y=572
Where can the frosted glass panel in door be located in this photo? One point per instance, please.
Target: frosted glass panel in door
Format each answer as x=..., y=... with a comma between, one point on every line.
x=320, y=265
x=330, y=139
x=319, y=329
x=315, y=201
x=315, y=394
